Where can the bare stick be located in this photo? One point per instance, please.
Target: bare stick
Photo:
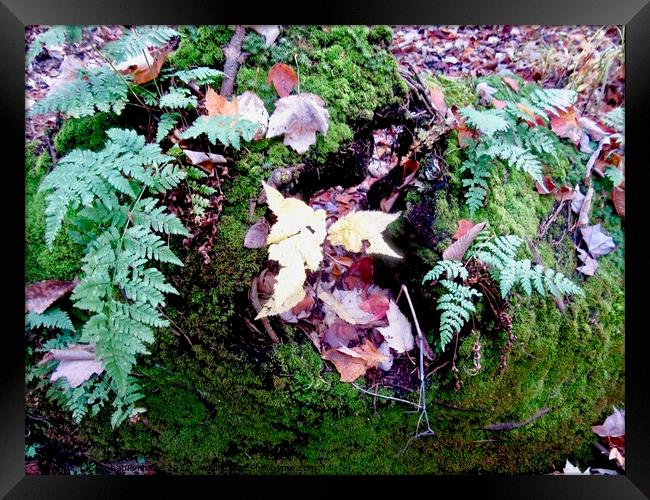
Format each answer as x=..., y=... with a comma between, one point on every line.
x=231, y=65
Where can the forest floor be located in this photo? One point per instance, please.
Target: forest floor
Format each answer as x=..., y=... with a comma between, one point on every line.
x=518, y=396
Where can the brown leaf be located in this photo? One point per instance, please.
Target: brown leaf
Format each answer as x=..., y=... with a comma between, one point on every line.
x=547, y=186
x=398, y=334
x=618, y=197
x=77, y=363
x=353, y=363
x=39, y=296
x=565, y=193
x=145, y=67
x=257, y=234
x=457, y=250
x=283, y=78
x=299, y=117
x=438, y=100
x=218, y=105
x=512, y=83
x=204, y=160
x=464, y=225
x=341, y=334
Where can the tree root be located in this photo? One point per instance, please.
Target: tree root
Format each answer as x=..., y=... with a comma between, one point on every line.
x=233, y=60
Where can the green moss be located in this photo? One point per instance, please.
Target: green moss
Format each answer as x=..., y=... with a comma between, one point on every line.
x=84, y=133
x=63, y=260
x=201, y=46
x=457, y=91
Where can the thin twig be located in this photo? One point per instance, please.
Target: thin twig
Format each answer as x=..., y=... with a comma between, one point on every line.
x=377, y=395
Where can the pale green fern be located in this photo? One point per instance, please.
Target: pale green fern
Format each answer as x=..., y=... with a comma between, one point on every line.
x=136, y=41
x=178, y=98
x=488, y=121
x=226, y=129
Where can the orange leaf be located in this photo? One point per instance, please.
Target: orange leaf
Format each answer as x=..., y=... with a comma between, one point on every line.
x=218, y=105
x=618, y=197
x=536, y=120
x=565, y=124
x=283, y=78
x=144, y=68
x=353, y=363
x=464, y=225
x=512, y=83
x=438, y=100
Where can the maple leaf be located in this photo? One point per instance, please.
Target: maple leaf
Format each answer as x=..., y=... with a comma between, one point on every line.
x=283, y=78
x=353, y=363
x=457, y=250
x=352, y=229
x=299, y=117
x=295, y=242
x=39, y=296
x=77, y=363
x=397, y=334
x=218, y=105
x=252, y=108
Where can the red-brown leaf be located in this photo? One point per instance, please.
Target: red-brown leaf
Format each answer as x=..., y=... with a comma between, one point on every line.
x=457, y=250
x=464, y=225
x=512, y=83
x=39, y=296
x=618, y=197
x=283, y=78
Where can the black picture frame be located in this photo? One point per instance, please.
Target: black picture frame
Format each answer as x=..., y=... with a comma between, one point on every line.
x=634, y=14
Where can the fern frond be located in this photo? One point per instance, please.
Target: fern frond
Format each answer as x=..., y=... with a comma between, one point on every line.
x=516, y=156
x=451, y=268
x=53, y=37
x=200, y=75
x=615, y=118
x=167, y=122
x=178, y=98
x=93, y=90
x=225, y=128
x=136, y=40
x=52, y=318
x=553, y=99
x=487, y=122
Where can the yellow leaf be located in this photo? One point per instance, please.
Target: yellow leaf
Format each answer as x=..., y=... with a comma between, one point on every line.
x=350, y=231
x=295, y=242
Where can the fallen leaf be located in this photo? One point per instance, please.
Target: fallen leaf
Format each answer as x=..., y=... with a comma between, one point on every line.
x=571, y=469
x=485, y=90
x=385, y=350
x=512, y=83
x=583, y=216
x=77, y=363
x=376, y=304
x=406, y=174
x=341, y=334
x=397, y=334
x=457, y=250
x=299, y=117
x=39, y=296
x=565, y=193
x=613, y=426
x=589, y=263
x=346, y=304
x=252, y=108
x=283, y=78
x=269, y=32
x=145, y=67
x=257, y=234
x=547, y=186
x=438, y=100
x=218, y=105
x=565, y=124
x=618, y=197
x=464, y=225
x=295, y=243
x=598, y=242
x=535, y=119
x=301, y=310
x=353, y=363
x=615, y=454
x=360, y=274
x=204, y=160
x=498, y=103
x=352, y=229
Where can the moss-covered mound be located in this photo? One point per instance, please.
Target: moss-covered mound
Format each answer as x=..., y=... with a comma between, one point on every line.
x=221, y=398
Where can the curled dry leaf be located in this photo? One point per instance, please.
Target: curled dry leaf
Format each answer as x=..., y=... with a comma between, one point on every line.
x=353, y=363
x=583, y=216
x=283, y=78
x=299, y=117
x=257, y=234
x=252, y=108
x=512, y=83
x=39, y=296
x=206, y=161
x=397, y=334
x=613, y=426
x=565, y=124
x=618, y=197
x=457, y=250
x=270, y=32
x=589, y=263
x=438, y=100
x=218, y=105
x=77, y=363
x=354, y=228
x=144, y=67
x=404, y=174
x=598, y=242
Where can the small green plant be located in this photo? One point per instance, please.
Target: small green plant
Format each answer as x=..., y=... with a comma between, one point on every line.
x=104, y=195
x=516, y=135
